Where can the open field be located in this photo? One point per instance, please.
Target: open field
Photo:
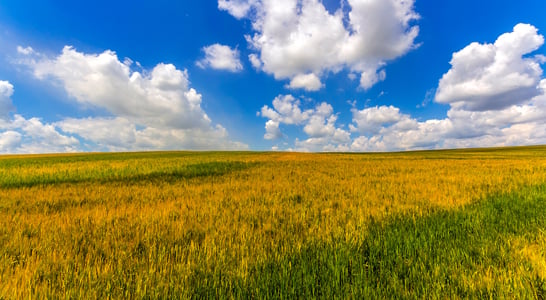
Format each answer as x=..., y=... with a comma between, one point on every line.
x=440, y=224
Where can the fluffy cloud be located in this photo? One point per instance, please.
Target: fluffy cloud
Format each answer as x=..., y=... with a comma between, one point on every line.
x=388, y=129
x=515, y=114
x=255, y=61
x=319, y=124
x=22, y=135
x=237, y=8
x=6, y=90
x=298, y=37
x=286, y=109
x=309, y=82
x=272, y=131
x=371, y=120
x=9, y=141
x=369, y=79
x=43, y=136
x=152, y=109
x=119, y=134
x=25, y=50
x=497, y=98
x=494, y=76
x=322, y=125
x=101, y=80
x=221, y=57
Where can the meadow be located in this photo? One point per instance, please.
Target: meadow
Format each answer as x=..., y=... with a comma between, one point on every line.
x=426, y=224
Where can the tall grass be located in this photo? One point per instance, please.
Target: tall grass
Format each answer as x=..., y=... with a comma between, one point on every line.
x=491, y=249
x=183, y=224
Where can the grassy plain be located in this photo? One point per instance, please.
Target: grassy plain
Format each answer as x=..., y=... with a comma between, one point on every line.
x=434, y=224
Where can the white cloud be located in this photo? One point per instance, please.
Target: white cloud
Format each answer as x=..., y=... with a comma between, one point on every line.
x=115, y=134
x=385, y=128
x=309, y=82
x=9, y=141
x=102, y=80
x=370, y=78
x=286, y=109
x=497, y=98
x=322, y=121
x=6, y=90
x=44, y=136
x=25, y=50
x=322, y=144
x=298, y=37
x=20, y=135
x=237, y=8
x=120, y=134
x=319, y=124
x=153, y=109
x=494, y=76
x=33, y=136
x=522, y=124
x=371, y=120
x=255, y=61
x=221, y=57
x=272, y=131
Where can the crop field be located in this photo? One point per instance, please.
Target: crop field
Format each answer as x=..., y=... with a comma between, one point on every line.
x=431, y=224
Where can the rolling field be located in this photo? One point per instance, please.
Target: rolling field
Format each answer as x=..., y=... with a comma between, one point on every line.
x=433, y=224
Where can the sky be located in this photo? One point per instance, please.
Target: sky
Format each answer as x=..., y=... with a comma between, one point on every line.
x=287, y=75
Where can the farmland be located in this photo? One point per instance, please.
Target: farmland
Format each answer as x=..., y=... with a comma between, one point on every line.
x=441, y=224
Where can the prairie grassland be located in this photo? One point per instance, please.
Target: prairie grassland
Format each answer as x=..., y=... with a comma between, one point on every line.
x=439, y=224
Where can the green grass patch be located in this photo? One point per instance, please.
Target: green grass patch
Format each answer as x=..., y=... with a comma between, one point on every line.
x=128, y=174
x=466, y=253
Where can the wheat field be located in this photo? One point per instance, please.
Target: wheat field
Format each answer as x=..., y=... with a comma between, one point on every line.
x=434, y=224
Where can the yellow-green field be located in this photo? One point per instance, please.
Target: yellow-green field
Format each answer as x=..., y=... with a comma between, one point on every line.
x=438, y=224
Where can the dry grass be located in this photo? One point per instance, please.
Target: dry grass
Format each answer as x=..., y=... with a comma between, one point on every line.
x=155, y=224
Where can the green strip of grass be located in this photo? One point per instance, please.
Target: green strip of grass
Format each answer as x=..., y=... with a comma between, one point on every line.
x=443, y=255
x=128, y=175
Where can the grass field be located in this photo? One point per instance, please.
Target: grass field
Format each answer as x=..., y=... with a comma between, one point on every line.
x=433, y=224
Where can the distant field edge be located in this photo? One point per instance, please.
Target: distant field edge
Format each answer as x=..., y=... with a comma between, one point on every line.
x=205, y=152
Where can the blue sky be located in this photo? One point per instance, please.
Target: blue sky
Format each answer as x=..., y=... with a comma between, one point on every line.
x=306, y=75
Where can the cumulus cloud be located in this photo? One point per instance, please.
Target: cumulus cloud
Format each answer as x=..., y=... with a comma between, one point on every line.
x=272, y=131
x=479, y=116
x=221, y=57
x=107, y=133
x=371, y=120
x=309, y=82
x=101, y=80
x=369, y=79
x=119, y=134
x=151, y=109
x=318, y=123
x=255, y=61
x=22, y=135
x=237, y=8
x=494, y=76
x=286, y=109
x=9, y=141
x=6, y=90
x=386, y=129
x=496, y=94
x=294, y=38
x=25, y=50
x=43, y=136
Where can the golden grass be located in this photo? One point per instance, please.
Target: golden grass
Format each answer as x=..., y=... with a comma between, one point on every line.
x=94, y=219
